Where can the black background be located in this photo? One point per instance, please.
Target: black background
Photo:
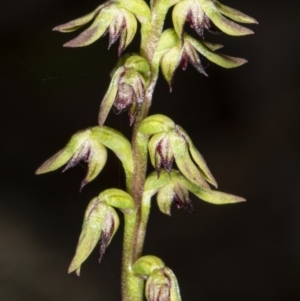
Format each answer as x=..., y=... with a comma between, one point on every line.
x=245, y=122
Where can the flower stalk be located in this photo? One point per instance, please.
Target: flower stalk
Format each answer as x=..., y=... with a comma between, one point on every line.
x=167, y=144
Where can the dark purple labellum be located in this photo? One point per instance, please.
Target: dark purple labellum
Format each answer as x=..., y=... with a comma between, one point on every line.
x=123, y=99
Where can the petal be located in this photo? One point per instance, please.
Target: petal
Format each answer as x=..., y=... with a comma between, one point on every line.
x=129, y=31
x=96, y=161
x=170, y=61
x=145, y=265
x=155, y=124
x=153, y=183
x=197, y=157
x=210, y=196
x=234, y=14
x=152, y=146
x=194, y=58
x=90, y=233
x=117, y=198
x=77, y=23
x=116, y=27
x=137, y=7
x=167, y=40
x=116, y=142
x=183, y=160
x=179, y=15
x=110, y=96
x=96, y=30
x=165, y=197
x=221, y=22
x=219, y=59
x=63, y=156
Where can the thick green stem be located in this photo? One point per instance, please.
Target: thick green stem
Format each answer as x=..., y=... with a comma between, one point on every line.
x=135, y=226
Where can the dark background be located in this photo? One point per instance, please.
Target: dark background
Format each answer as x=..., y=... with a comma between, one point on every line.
x=245, y=122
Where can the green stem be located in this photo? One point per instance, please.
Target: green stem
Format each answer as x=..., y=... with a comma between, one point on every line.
x=135, y=225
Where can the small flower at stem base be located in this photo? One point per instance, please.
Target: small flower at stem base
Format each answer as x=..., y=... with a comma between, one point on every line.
x=162, y=285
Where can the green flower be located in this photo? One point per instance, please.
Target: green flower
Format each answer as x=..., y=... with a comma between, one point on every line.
x=127, y=88
x=169, y=142
x=200, y=14
x=100, y=224
x=174, y=193
x=83, y=146
x=162, y=285
x=174, y=52
x=90, y=146
x=118, y=18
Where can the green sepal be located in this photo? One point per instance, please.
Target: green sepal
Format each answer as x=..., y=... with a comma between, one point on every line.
x=210, y=196
x=129, y=32
x=234, y=14
x=154, y=183
x=170, y=61
x=137, y=7
x=139, y=64
x=167, y=40
x=162, y=5
x=183, y=160
x=99, y=220
x=96, y=30
x=78, y=23
x=227, y=26
x=165, y=197
x=212, y=46
x=152, y=145
x=117, y=198
x=145, y=265
x=118, y=143
x=110, y=96
x=219, y=59
x=179, y=15
x=155, y=124
x=198, y=158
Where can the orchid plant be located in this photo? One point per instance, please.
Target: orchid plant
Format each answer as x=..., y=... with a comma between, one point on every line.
x=179, y=167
